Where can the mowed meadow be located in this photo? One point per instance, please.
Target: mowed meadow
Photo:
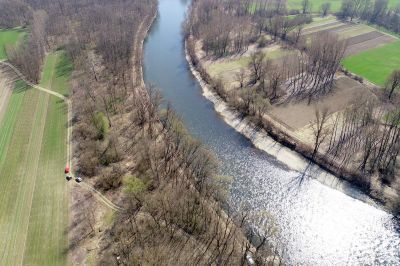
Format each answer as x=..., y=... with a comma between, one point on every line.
x=377, y=64
x=33, y=151
x=335, y=5
x=9, y=37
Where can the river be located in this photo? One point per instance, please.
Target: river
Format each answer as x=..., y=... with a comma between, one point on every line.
x=318, y=224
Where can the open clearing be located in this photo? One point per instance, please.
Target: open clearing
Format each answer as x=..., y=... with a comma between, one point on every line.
x=33, y=138
x=227, y=68
x=8, y=37
x=377, y=64
x=298, y=114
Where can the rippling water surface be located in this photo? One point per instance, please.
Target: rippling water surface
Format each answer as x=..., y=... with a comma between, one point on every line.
x=320, y=226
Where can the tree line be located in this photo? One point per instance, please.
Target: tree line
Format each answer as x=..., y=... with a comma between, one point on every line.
x=373, y=11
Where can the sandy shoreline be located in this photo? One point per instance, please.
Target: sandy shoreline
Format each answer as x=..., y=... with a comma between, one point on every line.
x=261, y=140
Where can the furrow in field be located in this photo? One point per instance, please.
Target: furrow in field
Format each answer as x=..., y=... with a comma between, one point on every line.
x=47, y=242
x=20, y=175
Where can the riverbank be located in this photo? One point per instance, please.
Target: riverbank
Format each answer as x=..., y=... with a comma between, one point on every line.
x=277, y=142
x=91, y=219
x=148, y=192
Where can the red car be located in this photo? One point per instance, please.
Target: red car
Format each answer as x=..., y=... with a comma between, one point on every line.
x=66, y=171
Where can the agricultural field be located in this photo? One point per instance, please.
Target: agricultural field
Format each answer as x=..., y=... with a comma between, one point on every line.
x=316, y=4
x=33, y=150
x=360, y=37
x=8, y=37
x=377, y=64
x=371, y=53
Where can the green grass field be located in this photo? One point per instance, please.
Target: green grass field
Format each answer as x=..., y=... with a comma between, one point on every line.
x=376, y=64
x=335, y=4
x=242, y=62
x=8, y=37
x=316, y=5
x=33, y=195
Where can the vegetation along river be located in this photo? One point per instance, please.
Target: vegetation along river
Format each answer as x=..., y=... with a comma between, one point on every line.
x=318, y=224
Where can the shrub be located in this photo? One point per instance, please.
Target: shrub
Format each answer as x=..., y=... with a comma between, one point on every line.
x=101, y=124
x=262, y=42
x=88, y=163
x=111, y=177
x=134, y=185
x=111, y=154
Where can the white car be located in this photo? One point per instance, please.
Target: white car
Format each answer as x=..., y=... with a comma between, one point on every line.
x=78, y=179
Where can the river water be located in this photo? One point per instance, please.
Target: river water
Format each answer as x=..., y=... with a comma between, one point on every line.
x=319, y=225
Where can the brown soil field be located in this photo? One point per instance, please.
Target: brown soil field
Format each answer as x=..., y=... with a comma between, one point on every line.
x=298, y=114
x=364, y=37
x=334, y=29
x=367, y=45
x=357, y=43
x=322, y=27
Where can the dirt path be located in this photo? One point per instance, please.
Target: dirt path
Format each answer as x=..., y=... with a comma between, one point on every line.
x=85, y=185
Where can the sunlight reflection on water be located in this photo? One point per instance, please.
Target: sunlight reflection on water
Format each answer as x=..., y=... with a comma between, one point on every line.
x=320, y=225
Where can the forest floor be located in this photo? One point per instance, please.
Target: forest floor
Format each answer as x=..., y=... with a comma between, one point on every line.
x=33, y=151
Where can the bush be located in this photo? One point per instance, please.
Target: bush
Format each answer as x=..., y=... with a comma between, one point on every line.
x=111, y=177
x=134, y=185
x=359, y=79
x=88, y=163
x=262, y=42
x=101, y=124
x=111, y=154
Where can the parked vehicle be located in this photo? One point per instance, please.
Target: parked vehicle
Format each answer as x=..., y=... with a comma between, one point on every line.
x=78, y=179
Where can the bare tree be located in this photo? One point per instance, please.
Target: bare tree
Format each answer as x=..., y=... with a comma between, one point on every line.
x=256, y=65
x=393, y=83
x=325, y=7
x=320, y=130
x=240, y=77
x=306, y=6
